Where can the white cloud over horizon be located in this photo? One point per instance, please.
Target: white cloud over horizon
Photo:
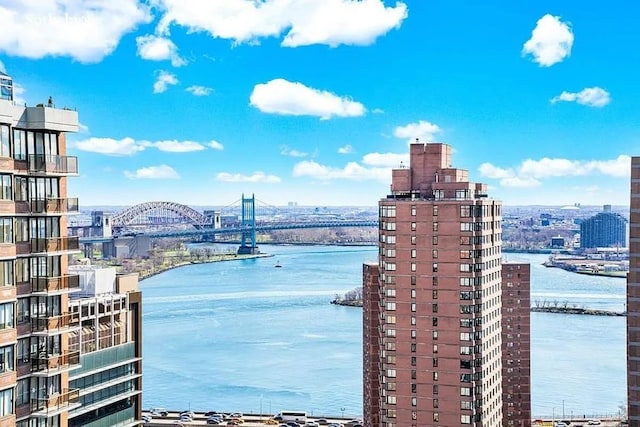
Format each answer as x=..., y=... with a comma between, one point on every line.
x=590, y=96
x=423, y=130
x=128, y=146
x=346, y=149
x=551, y=41
x=156, y=48
x=84, y=31
x=351, y=171
x=530, y=172
x=197, y=90
x=153, y=172
x=280, y=96
x=256, y=177
x=291, y=152
x=164, y=79
x=303, y=23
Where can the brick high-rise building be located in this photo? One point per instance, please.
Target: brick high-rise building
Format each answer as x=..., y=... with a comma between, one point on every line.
x=633, y=299
x=516, y=344
x=436, y=343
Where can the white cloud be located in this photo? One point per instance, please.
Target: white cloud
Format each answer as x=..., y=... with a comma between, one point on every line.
x=255, y=177
x=197, y=90
x=530, y=172
x=129, y=146
x=286, y=151
x=422, y=130
x=112, y=147
x=352, y=171
x=173, y=146
x=153, y=172
x=280, y=96
x=163, y=81
x=215, y=145
x=591, y=97
x=155, y=48
x=18, y=92
x=347, y=149
x=551, y=41
x=86, y=31
x=308, y=22
x=377, y=111
x=387, y=160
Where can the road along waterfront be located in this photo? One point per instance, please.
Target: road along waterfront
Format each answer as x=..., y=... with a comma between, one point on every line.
x=245, y=336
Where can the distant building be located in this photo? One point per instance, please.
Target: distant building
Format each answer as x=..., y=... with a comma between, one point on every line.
x=557, y=242
x=633, y=299
x=516, y=344
x=6, y=87
x=109, y=342
x=606, y=229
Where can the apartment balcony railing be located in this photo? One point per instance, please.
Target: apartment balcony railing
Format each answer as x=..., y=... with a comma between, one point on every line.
x=54, y=323
x=54, y=363
x=55, y=284
x=55, y=244
x=55, y=403
x=49, y=163
x=54, y=205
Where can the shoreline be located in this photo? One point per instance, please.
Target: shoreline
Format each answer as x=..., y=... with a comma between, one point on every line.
x=214, y=258
x=558, y=310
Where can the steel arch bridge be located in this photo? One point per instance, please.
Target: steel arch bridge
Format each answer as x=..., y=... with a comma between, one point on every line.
x=159, y=213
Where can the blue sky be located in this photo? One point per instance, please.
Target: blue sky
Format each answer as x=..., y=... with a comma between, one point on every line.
x=314, y=101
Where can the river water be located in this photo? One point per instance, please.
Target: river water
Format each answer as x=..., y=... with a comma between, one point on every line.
x=245, y=336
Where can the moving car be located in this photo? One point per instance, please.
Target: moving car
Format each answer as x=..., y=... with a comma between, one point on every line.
x=158, y=412
x=594, y=422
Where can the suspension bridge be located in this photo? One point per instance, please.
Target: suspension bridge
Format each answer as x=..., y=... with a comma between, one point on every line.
x=169, y=219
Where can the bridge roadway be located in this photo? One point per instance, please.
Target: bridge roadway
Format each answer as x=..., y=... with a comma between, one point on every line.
x=249, y=420
x=269, y=226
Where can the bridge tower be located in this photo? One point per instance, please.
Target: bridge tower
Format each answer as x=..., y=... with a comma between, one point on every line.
x=248, y=226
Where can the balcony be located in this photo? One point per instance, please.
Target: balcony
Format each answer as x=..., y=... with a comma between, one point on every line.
x=56, y=403
x=54, y=364
x=55, y=284
x=54, y=205
x=52, y=324
x=54, y=244
x=52, y=164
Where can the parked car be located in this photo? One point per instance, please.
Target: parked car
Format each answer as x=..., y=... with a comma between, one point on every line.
x=210, y=413
x=312, y=424
x=560, y=424
x=594, y=422
x=214, y=421
x=190, y=413
x=158, y=412
x=271, y=422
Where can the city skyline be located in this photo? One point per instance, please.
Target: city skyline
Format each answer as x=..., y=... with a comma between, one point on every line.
x=198, y=103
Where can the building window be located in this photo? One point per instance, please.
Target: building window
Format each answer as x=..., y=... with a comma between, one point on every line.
x=413, y=210
x=7, y=358
x=434, y=308
x=435, y=389
x=435, y=226
x=413, y=347
x=413, y=293
x=434, y=294
x=391, y=253
x=413, y=333
x=466, y=405
x=435, y=376
x=435, y=267
x=435, y=403
x=6, y=192
x=6, y=273
x=22, y=270
x=23, y=310
x=6, y=402
x=413, y=240
x=465, y=419
x=436, y=417
x=391, y=400
x=391, y=320
x=391, y=373
x=435, y=321
x=19, y=145
x=391, y=306
x=4, y=141
x=465, y=391
x=413, y=306
x=434, y=253
x=413, y=266
x=435, y=362
x=22, y=392
x=435, y=211
x=391, y=332
x=465, y=211
x=413, y=320
x=6, y=230
x=6, y=315
x=390, y=266
x=434, y=281
x=414, y=401
x=414, y=253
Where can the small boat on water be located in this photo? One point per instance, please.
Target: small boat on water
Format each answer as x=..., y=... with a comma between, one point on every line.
x=278, y=265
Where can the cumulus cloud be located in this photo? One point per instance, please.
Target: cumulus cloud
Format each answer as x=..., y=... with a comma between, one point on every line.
x=386, y=160
x=84, y=31
x=163, y=81
x=286, y=151
x=530, y=171
x=215, y=145
x=351, y=171
x=280, y=96
x=328, y=22
x=551, y=41
x=153, y=172
x=347, y=149
x=173, y=146
x=422, y=130
x=129, y=146
x=156, y=48
x=112, y=147
x=255, y=177
x=197, y=90
x=591, y=97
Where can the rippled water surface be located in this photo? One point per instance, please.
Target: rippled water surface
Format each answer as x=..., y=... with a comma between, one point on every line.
x=245, y=336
